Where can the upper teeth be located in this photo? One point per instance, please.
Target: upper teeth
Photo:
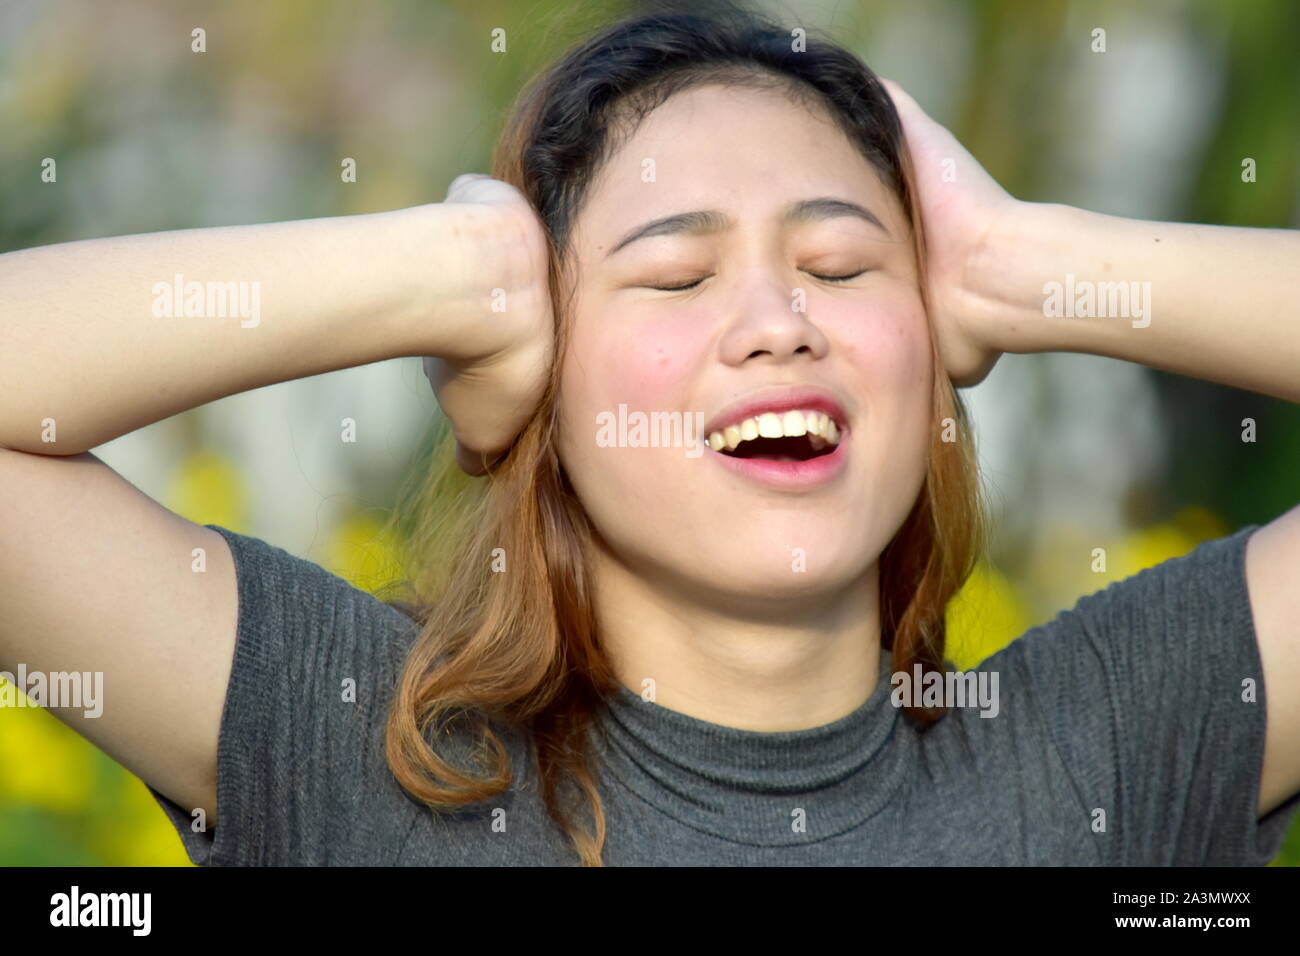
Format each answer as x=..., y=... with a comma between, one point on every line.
x=818, y=426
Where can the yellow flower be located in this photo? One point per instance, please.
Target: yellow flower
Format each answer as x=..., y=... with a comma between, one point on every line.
x=208, y=489
x=43, y=762
x=137, y=832
x=364, y=553
x=985, y=616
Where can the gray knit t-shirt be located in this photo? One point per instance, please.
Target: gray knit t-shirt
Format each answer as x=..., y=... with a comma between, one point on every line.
x=1121, y=738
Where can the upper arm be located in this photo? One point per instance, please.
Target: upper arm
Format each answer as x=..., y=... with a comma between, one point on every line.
x=1273, y=579
x=1145, y=689
x=96, y=577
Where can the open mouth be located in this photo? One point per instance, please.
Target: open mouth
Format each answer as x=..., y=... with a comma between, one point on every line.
x=785, y=448
x=792, y=436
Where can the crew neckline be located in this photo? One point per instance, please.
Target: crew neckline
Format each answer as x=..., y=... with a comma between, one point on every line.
x=746, y=785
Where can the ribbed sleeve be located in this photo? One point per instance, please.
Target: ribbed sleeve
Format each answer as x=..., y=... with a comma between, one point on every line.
x=1144, y=689
x=295, y=753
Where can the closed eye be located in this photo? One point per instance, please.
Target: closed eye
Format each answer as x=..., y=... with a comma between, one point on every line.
x=692, y=285
x=837, y=278
x=677, y=288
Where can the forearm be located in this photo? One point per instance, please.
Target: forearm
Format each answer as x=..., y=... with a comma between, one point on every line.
x=104, y=336
x=1214, y=302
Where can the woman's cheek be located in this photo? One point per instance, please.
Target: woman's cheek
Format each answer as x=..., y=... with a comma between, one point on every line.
x=890, y=342
x=651, y=367
x=646, y=366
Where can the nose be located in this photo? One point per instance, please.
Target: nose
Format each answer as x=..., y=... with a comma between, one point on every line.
x=771, y=323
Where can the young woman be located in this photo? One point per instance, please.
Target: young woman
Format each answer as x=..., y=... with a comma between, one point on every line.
x=622, y=650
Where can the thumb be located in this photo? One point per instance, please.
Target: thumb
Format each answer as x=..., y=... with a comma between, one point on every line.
x=896, y=92
x=476, y=464
x=909, y=111
x=469, y=462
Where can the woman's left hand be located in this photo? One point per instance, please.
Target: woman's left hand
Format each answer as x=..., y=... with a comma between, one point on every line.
x=962, y=206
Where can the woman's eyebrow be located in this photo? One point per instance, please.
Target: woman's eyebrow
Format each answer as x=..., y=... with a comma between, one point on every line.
x=706, y=221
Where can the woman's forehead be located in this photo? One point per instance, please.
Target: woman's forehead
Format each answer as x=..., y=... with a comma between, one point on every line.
x=748, y=154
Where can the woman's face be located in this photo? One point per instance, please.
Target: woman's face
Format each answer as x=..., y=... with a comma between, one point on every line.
x=764, y=328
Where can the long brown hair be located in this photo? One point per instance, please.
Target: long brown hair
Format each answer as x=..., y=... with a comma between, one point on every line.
x=499, y=566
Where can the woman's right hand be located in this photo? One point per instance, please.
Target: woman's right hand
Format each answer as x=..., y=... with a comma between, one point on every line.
x=495, y=380
x=961, y=207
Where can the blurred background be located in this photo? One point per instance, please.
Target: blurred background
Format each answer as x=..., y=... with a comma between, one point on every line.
x=1078, y=452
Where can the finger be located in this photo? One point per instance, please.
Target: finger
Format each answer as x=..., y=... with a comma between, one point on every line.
x=464, y=181
x=477, y=464
x=470, y=462
x=907, y=106
x=893, y=89
x=920, y=125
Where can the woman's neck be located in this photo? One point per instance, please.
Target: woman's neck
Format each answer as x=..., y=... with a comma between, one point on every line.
x=804, y=664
